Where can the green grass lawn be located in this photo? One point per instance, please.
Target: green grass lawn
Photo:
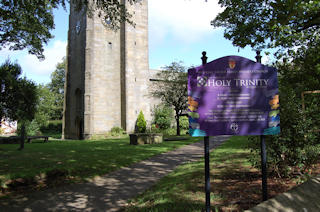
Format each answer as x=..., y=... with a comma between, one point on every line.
x=75, y=159
x=183, y=190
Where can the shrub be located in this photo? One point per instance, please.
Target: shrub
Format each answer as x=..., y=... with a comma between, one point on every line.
x=162, y=117
x=170, y=131
x=184, y=123
x=154, y=128
x=31, y=128
x=117, y=131
x=312, y=154
x=141, y=125
x=292, y=150
x=54, y=127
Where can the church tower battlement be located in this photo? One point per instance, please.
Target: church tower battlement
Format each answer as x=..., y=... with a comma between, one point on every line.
x=107, y=74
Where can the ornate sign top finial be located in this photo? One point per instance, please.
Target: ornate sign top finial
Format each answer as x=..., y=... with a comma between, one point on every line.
x=258, y=57
x=204, y=58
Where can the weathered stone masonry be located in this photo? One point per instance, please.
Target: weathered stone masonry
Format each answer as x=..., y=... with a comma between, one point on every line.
x=107, y=74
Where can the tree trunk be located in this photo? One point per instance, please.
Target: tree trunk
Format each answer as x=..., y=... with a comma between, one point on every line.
x=178, y=124
x=23, y=136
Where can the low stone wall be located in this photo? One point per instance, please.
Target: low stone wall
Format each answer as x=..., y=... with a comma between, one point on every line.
x=145, y=138
x=305, y=197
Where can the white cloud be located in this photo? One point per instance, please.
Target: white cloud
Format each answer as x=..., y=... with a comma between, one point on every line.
x=32, y=67
x=184, y=20
x=53, y=55
x=5, y=53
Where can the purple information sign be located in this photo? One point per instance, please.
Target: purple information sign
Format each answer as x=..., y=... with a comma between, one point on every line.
x=233, y=96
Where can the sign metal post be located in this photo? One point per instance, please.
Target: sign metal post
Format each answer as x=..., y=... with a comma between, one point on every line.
x=264, y=168
x=207, y=172
x=206, y=155
x=263, y=154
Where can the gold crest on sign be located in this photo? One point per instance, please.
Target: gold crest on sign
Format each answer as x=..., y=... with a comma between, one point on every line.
x=232, y=64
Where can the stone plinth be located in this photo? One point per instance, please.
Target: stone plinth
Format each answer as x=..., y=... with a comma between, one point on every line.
x=146, y=138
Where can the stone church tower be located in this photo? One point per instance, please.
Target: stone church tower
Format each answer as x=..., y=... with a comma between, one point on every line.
x=107, y=74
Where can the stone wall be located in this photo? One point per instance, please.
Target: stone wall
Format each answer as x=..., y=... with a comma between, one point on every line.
x=107, y=74
x=102, y=82
x=137, y=65
x=74, y=86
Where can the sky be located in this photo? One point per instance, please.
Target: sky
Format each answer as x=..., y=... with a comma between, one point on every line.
x=179, y=30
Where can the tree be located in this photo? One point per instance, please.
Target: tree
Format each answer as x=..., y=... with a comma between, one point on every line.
x=293, y=27
x=296, y=148
x=171, y=87
x=51, y=97
x=162, y=117
x=50, y=100
x=58, y=77
x=28, y=24
x=141, y=125
x=46, y=107
x=56, y=86
x=18, y=97
x=287, y=25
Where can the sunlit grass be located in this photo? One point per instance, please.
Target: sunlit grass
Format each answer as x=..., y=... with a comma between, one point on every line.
x=183, y=190
x=78, y=159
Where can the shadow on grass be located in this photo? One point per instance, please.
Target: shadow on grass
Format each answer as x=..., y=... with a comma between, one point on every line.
x=58, y=162
x=90, y=198
x=167, y=205
x=103, y=193
x=232, y=183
